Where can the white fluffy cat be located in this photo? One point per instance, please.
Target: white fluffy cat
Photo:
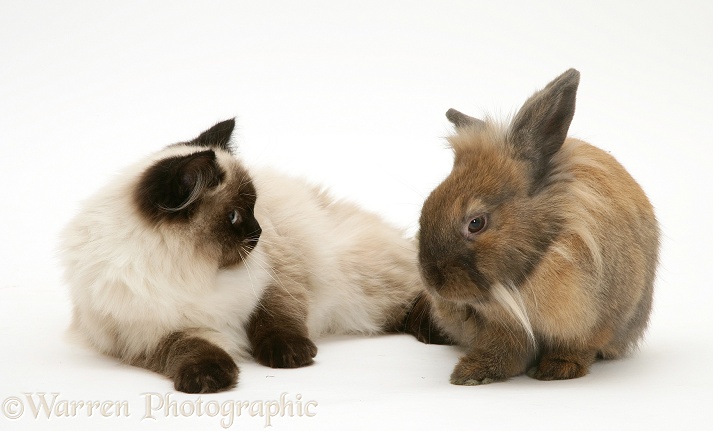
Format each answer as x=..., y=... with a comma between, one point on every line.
x=189, y=260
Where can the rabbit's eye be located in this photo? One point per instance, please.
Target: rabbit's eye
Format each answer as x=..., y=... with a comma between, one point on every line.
x=477, y=224
x=234, y=217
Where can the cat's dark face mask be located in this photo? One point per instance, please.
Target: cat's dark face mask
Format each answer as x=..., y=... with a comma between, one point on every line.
x=252, y=232
x=228, y=219
x=242, y=218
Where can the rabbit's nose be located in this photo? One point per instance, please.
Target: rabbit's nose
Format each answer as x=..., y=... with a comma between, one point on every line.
x=431, y=272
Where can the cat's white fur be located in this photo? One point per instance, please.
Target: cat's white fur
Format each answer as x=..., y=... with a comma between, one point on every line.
x=132, y=283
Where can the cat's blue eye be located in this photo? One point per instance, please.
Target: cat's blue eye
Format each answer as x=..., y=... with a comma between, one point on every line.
x=234, y=217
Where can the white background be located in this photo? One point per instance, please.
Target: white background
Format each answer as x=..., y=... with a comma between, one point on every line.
x=352, y=95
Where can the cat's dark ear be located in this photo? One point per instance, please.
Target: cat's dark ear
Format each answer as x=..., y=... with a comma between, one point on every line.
x=217, y=136
x=541, y=125
x=172, y=188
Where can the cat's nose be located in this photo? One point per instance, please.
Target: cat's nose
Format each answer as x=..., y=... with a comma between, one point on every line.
x=254, y=231
x=257, y=233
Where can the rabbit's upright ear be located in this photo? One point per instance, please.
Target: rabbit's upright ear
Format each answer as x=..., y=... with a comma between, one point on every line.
x=461, y=120
x=540, y=126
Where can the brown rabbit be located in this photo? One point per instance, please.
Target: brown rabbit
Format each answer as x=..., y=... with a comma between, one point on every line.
x=539, y=250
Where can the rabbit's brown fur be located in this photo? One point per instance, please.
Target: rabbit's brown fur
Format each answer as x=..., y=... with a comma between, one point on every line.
x=562, y=271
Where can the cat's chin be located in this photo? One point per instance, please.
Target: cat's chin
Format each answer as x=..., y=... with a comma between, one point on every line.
x=235, y=256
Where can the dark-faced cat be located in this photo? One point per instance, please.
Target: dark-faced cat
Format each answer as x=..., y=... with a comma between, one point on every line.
x=188, y=261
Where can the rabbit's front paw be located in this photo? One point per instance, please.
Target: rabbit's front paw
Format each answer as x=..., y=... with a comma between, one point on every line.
x=474, y=371
x=562, y=366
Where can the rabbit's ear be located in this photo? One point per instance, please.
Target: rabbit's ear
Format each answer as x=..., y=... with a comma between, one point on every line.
x=540, y=127
x=461, y=120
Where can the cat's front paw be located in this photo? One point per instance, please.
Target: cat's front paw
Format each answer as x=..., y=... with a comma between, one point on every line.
x=419, y=322
x=206, y=375
x=474, y=371
x=281, y=350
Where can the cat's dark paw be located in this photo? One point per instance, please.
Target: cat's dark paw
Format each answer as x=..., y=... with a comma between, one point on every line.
x=419, y=322
x=206, y=375
x=434, y=336
x=283, y=350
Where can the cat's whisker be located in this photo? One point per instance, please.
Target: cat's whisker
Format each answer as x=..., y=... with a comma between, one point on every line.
x=243, y=254
x=277, y=259
x=276, y=278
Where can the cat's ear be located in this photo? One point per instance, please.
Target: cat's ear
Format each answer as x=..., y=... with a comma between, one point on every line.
x=217, y=136
x=172, y=187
